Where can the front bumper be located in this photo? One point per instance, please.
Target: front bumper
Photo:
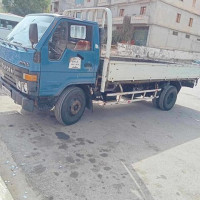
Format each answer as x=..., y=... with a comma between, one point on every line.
x=27, y=104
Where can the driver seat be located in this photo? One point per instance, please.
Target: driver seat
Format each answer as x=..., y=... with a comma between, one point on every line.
x=82, y=45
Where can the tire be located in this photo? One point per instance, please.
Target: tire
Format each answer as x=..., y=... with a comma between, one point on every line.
x=155, y=102
x=70, y=106
x=168, y=98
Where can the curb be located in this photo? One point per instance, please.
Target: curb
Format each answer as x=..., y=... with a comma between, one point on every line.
x=4, y=192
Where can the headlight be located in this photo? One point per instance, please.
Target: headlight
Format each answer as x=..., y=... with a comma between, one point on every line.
x=19, y=85
x=22, y=87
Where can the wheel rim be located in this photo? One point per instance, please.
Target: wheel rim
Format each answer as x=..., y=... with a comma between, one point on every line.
x=75, y=107
x=170, y=98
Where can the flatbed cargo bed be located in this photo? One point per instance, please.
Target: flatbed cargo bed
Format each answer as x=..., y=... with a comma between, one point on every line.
x=125, y=69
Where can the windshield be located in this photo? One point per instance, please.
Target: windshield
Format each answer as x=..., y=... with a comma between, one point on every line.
x=20, y=34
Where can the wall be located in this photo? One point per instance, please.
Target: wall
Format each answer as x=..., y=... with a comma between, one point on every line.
x=63, y=5
x=132, y=8
x=185, y=5
x=165, y=15
x=66, y=4
x=163, y=23
x=1, y=6
x=161, y=37
x=91, y=3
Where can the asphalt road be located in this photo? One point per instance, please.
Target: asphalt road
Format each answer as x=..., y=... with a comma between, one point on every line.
x=130, y=152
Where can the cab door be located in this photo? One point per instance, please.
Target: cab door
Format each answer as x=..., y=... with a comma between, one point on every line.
x=70, y=56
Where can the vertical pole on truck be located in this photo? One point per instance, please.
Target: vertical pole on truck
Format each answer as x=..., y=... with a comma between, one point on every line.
x=108, y=49
x=107, y=17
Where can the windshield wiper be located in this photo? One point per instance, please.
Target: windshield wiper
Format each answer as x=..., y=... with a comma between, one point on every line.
x=20, y=44
x=5, y=42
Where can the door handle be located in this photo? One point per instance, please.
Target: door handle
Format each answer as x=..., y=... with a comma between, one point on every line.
x=88, y=65
x=81, y=57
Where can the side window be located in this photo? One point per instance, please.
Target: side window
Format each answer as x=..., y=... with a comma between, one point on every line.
x=78, y=32
x=80, y=37
x=58, y=42
x=71, y=36
x=7, y=24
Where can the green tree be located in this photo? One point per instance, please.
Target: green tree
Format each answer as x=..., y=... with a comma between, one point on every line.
x=125, y=33
x=24, y=7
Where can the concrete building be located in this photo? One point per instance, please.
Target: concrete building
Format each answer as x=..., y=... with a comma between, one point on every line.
x=58, y=6
x=167, y=24
x=174, y=24
x=1, y=6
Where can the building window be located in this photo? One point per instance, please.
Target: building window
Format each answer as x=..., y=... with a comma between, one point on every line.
x=56, y=7
x=78, y=15
x=194, y=3
x=191, y=22
x=178, y=18
x=198, y=39
x=143, y=10
x=121, y=12
x=175, y=33
x=79, y=2
x=187, y=36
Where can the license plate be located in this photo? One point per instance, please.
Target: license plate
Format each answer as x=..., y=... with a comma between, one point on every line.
x=6, y=91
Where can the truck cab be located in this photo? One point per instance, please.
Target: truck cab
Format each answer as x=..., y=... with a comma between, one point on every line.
x=44, y=55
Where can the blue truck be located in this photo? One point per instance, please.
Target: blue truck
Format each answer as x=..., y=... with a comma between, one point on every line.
x=57, y=62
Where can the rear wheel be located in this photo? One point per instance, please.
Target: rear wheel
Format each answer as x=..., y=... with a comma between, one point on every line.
x=168, y=98
x=70, y=106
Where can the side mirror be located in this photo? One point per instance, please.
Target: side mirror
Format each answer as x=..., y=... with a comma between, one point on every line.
x=33, y=33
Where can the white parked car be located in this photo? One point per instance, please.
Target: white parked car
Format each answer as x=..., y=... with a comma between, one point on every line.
x=7, y=23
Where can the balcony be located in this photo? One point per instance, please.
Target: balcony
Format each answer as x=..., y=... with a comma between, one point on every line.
x=103, y=2
x=118, y=20
x=113, y=2
x=140, y=19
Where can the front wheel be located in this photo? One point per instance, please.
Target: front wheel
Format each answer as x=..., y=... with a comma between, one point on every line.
x=168, y=98
x=70, y=106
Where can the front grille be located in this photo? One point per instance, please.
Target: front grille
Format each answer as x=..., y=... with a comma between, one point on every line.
x=11, y=73
x=9, y=79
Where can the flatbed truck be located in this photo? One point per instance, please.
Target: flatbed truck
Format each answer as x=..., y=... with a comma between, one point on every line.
x=52, y=61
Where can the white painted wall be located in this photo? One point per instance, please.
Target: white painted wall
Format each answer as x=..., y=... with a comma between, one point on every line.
x=161, y=37
x=1, y=7
x=163, y=23
x=130, y=9
x=186, y=5
x=63, y=5
x=165, y=15
x=92, y=3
